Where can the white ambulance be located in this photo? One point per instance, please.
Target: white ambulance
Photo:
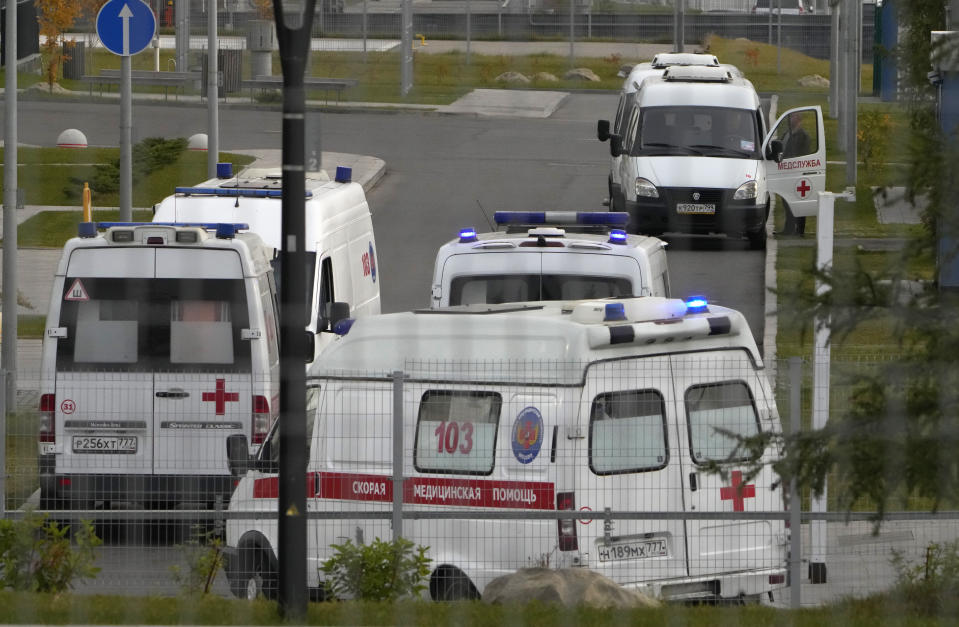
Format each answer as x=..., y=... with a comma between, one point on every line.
x=696, y=157
x=549, y=255
x=343, y=274
x=161, y=341
x=608, y=406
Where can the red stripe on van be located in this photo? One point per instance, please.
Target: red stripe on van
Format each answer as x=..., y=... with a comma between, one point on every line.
x=269, y=487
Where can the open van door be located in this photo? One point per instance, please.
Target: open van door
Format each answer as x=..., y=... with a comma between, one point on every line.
x=795, y=153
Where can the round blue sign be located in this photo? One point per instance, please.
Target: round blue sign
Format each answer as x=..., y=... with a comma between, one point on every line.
x=126, y=27
x=527, y=435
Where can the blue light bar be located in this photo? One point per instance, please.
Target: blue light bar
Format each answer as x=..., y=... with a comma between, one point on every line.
x=210, y=226
x=614, y=312
x=86, y=229
x=617, y=236
x=232, y=192
x=697, y=304
x=591, y=218
x=467, y=235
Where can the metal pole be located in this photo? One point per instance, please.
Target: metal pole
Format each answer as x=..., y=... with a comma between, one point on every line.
x=397, y=454
x=8, y=327
x=293, y=32
x=212, y=93
x=681, y=26
x=365, y=16
x=182, y=8
x=468, y=30
x=3, y=449
x=572, y=33
x=854, y=61
x=769, y=26
x=406, y=61
x=126, y=139
x=779, y=35
x=795, y=504
x=834, y=71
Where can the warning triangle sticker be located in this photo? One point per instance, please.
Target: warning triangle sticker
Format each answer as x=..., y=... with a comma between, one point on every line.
x=77, y=292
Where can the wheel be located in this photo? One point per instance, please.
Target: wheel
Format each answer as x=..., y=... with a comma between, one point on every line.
x=449, y=584
x=257, y=576
x=757, y=239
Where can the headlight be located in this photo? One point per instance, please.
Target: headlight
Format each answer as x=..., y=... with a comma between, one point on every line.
x=746, y=191
x=645, y=189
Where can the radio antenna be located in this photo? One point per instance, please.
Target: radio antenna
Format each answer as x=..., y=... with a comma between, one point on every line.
x=490, y=224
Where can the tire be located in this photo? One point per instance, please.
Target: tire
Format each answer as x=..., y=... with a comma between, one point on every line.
x=257, y=576
x=450, y=584
x=757, y=239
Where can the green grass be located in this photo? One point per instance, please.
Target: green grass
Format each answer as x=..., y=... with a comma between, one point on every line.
x=21, y=458
x=122, y=610
x=51, y=229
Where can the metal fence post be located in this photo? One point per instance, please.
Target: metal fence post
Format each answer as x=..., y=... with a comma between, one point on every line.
x=3, y=444
x=397, y=454
x=795, y=504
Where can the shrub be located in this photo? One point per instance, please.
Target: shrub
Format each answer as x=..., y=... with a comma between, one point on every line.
x=931, y=586
x=36, y=554
x=873, y=136
x=381, y=571
x=204, y=557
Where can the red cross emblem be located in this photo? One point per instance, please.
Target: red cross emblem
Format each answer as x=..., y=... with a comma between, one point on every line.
x=737, y=492
x=221, y=397
x=803, y=188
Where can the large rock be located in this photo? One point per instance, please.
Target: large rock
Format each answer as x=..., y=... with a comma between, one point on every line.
x=570, y=587
x=512, y=78
x=813, y=80
x=544, y=77
x=581, y=74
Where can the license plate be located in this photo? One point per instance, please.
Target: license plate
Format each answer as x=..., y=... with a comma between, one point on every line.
x=110, y=444
x=637, y=549
x=687, y=208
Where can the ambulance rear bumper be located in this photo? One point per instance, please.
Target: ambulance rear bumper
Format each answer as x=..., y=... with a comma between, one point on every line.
x=86, y=491
x=716, y=587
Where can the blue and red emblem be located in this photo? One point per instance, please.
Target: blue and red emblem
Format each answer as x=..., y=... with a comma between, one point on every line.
x=527, y=435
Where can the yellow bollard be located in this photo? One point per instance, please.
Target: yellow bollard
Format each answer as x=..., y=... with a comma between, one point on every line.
x=422, y=40
x=87, y=203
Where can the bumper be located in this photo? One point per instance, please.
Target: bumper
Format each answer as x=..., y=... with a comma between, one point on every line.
x=86, y=491
x=732, y=217
x=724, y=587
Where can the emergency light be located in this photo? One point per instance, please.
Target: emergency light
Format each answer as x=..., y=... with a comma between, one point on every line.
x=617, y=236
x=592, y=218
x=697, y=304
x=233, y=192
x=210, y=226
x=468, y=235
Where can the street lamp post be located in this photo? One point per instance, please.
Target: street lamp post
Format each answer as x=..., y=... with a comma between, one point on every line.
x=294, y=21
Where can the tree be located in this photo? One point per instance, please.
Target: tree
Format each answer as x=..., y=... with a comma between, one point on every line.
x=900, y=433
x=55, y=18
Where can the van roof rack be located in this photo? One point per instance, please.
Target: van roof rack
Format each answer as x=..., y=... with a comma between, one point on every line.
x=668, y=59
x=697, y=73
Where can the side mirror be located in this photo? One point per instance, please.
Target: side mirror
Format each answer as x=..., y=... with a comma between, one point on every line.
x=774, y=150
x=331, y=314
x=615, y=145
x=238, y=454
x=602, y=130
x=309, y=347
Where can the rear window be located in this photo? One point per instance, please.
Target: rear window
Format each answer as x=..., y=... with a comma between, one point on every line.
x=456, y=432
x=627, y=432
x=154, y=324
x=468, y=290
x=718, y=415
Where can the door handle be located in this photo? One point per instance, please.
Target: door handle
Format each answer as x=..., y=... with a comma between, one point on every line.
x=174, y=393
x=692, y=482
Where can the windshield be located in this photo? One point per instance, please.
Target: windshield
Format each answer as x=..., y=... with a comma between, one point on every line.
x=697, y=131
x=470, y=290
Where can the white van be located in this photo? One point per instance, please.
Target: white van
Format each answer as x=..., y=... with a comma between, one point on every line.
x=614, y=405
x=160, y=342
x=549, y=255
x=343, y=275
x=634, y=81
x=697, y=157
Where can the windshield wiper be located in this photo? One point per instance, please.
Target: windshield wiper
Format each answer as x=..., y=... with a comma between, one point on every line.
x=735, y=151
x=685, y=149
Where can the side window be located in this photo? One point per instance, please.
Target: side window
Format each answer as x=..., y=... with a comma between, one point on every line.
x=799, y=134
x=622, y=113
x=456, y=432
x=629, y=139
x=717, y=414
x=268, y=302
x=627, y=432
x=326, y=286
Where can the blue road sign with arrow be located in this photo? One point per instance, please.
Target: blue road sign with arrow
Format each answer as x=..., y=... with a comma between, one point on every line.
x=126, y=27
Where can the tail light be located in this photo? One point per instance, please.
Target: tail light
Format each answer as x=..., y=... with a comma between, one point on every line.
x=566, y=526
x=261, y=418
x=48, y=403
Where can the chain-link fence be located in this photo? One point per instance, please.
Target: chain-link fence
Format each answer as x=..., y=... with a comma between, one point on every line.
x=608, y=466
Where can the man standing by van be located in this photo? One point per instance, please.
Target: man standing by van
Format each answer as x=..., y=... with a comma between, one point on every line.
x=795, y=144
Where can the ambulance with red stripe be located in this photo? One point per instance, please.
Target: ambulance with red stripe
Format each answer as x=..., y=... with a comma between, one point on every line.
x=160, y=341
x=515, y=414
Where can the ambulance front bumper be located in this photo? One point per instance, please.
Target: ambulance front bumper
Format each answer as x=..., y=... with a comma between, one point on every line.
x=660, y=215
x=86, y=491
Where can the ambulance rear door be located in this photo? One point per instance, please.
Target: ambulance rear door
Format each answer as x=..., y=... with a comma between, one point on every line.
x=569, y=274
x=203, y=379
x=491, y=277
x=719, y=394
x=628, y=464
